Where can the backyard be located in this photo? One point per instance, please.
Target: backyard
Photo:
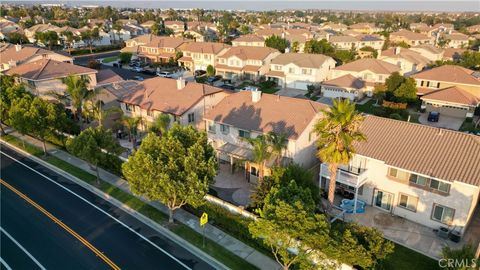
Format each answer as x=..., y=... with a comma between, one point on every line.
x=405, y=258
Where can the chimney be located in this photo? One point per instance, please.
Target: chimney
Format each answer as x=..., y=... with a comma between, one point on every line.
x=397, y=50
x=180, y=83
x=379, y=53
x=256, y=95
x=18, y=47
x=283, y=34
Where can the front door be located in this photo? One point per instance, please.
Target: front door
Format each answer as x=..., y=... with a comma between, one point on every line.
x=383, y=200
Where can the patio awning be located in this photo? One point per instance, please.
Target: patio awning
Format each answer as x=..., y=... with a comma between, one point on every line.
x=236, y=151
x=276, y=74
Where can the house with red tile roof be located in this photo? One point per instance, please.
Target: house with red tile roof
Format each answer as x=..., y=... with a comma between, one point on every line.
x=199, y=55
x=411, y=38
x=152, y=48
x=13, y=55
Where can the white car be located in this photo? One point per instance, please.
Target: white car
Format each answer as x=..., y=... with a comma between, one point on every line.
x=249, y=88
x=137, y=69
x=165, y=74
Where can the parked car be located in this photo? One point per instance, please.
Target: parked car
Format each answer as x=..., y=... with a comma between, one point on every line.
x=200, y=73
x=138, y=69
x=165, y=74
x=433, y=116
x=213, y=79
x=138, y=78
x=249, y=88
x=149, y=71
x=227, y=86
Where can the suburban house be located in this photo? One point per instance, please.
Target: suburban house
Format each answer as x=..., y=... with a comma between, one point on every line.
x=410, y=38
x=428, y=51
x=423, y=174
x=298, y=70
x=473, y=29
x=346, y=86
x=371, y=71
x=453, y=54
x=8, y=27
x=365, y=28
x=152, y=48
x=15, y=55
x=245, y=62
x=337, y=27
x=249, y=40
x=38, y=28
x=409, y=61
x=176, y=26
x=199, y=55
x=185, y=102
x=44, y=76
x=358, y=41
x=450, y=90
x=455, y=39
x=248, y=114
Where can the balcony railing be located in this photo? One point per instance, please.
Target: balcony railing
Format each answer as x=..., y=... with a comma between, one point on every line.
x=354, y=178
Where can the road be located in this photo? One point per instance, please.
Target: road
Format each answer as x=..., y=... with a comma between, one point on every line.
x=49, y=222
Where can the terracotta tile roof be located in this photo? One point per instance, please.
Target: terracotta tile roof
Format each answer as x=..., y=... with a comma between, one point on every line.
x=374, y=65
x=271, y=113
x=167, y=23
x=362, y=25
x=453, y=95
x=11, y=54
x=346, y=81
x=301, y=59
x=42, y=28
x=425, y=90
x=335, y=39
x=227, y=67
x=161, y=94
x=247, y=52
x=165, y=42
x=410, y=35
x=449, y=73
x=107, y=76
x=269, y=32
x=250, y=68
x=452, y=53
x=429, y=48
x=44, y=69
x=440, y=153
x=205, y=47
x=456, y=36
x=249, y=38
x=275, y=73
x=410, y=55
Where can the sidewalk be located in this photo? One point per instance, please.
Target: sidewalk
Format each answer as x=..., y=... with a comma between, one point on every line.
x=228, y=242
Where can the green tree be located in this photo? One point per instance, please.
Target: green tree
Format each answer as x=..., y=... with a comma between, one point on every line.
x=466, y=254
x=69, y=39
x=90, y=37
x=337, y=132
x=261, y=152
x=78, y=92
x=278, y=142
x=95, y=110
x=245, y=29
x=210, y=70
x=116, y=28
x=9, y=93
x=407, y=91
x=175, y=169
x=125, y=57
x=90, y=144
x=48, y=38
x=160, y=124
x=318, y=47
x=394, y=81
x=443, y=42
x=277, y=42
x=131, y=123
x=470, y=59
x=304, y=178
x=295, y=47
x=18, y=115
x=156, y=29
x=16, y=38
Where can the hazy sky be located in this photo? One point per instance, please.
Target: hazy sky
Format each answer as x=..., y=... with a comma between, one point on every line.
x=405, y=5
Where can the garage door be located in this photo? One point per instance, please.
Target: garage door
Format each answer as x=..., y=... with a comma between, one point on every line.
x=298, y=85
x=447, y=110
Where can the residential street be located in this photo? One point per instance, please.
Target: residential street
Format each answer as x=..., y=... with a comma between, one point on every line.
x=48, y=222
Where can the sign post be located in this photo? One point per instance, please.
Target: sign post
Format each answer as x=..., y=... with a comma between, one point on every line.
x=203, y=222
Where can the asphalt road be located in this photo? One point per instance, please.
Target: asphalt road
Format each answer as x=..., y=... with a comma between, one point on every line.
x=49, y=222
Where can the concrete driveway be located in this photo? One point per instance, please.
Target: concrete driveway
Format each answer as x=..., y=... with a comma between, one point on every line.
x=291, y=92
x=445, y=121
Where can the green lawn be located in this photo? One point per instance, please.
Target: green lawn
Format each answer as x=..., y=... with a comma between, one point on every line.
x=212, y=248
x=404, y=258
x=469, y=126
x=110, y=59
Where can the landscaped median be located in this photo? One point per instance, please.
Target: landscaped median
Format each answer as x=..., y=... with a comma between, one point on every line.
x=212, y=248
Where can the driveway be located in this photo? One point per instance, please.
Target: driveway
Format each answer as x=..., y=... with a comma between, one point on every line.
x=445, y=121
x=233, y=188
x=291, y=92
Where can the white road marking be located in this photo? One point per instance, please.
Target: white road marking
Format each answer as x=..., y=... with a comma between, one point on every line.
x=5, y=264
x=23, y=249
x=99, y=209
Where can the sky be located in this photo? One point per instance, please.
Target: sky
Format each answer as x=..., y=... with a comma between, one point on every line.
x=388, y=5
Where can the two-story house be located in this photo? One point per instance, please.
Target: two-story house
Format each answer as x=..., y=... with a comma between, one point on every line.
x=177, y=27
x=248, y=114
x=409, y=61
x=298, y=70
x=184, y=102
x=245, y=62
x=428, y=51
x=15, y=55
x=410, y=38
x=199, y=55
x=152, y=48
x=427, y=175
x=249, y=40
x=455, y=39
x=346, y=86
x=365, y=28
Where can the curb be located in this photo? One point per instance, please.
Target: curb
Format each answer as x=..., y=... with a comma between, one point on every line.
x=165, y=232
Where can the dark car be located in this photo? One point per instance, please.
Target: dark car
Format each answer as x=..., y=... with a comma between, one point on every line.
x=213, y=79
x=433, y=116
x=199, y=73
x=149, y=72
x=227, y=87
x=138, y=78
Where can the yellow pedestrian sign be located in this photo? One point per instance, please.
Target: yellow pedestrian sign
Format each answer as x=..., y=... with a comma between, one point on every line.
x=204, y=219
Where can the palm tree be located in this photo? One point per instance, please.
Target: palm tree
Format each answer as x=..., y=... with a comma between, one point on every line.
x=261, y=152
x=131, y=123
x=160, y=124
x=95, y=109
x=337, y=131
x=78, y=92
x=278, y=142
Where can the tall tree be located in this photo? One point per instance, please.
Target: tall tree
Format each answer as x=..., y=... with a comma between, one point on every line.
x=78, y=93
x=175, y=169
x=131, y=123
x=95, y=110
x=277, y=42
x=337, y=131
x=48, y=38
x=18, y=115
x=318, y=47
x=90, y=37
x=160, y=124
x=261, y=152
x=90, y=144
x=278, y=142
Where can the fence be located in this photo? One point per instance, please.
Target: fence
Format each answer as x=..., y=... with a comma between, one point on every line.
x=230, y=207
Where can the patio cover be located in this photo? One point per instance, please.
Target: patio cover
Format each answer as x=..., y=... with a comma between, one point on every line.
x=236, y=151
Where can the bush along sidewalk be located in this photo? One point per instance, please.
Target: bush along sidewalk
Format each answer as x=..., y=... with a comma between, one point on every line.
x=212, y=248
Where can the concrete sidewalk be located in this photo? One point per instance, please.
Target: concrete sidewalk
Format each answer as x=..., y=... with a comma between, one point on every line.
x=230, y=243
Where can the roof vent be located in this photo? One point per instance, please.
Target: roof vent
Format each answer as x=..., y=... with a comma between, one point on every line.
x=18, y=47
x=256, y=96
x=180, y=83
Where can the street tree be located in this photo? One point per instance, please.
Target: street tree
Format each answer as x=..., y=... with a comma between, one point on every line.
x=90, y=145
x=337, y=132
x=90, y=36
x=18, y=115
x=210, y=70
x=9, y=93
x=277, y=42
x=48, y=38
x=175, y=169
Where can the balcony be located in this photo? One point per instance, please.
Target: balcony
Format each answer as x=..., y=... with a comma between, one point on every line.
x=351, y=177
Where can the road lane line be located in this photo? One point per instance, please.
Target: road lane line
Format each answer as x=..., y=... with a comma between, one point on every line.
x=5, y=264
x=98, y=208
x=22, y=248
x=61, y=224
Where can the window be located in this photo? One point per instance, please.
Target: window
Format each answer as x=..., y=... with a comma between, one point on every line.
x=243, y=133
x=150, y=113
x=408, y=202
x=398, y=174
x=419, y=180
x=438, y=85
x=291, y=70
x=211, y=127
x=129, y=107
x=278, y=67
x=442, y=213
x=440, y=186
x=224, y=129
x=191, y=117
